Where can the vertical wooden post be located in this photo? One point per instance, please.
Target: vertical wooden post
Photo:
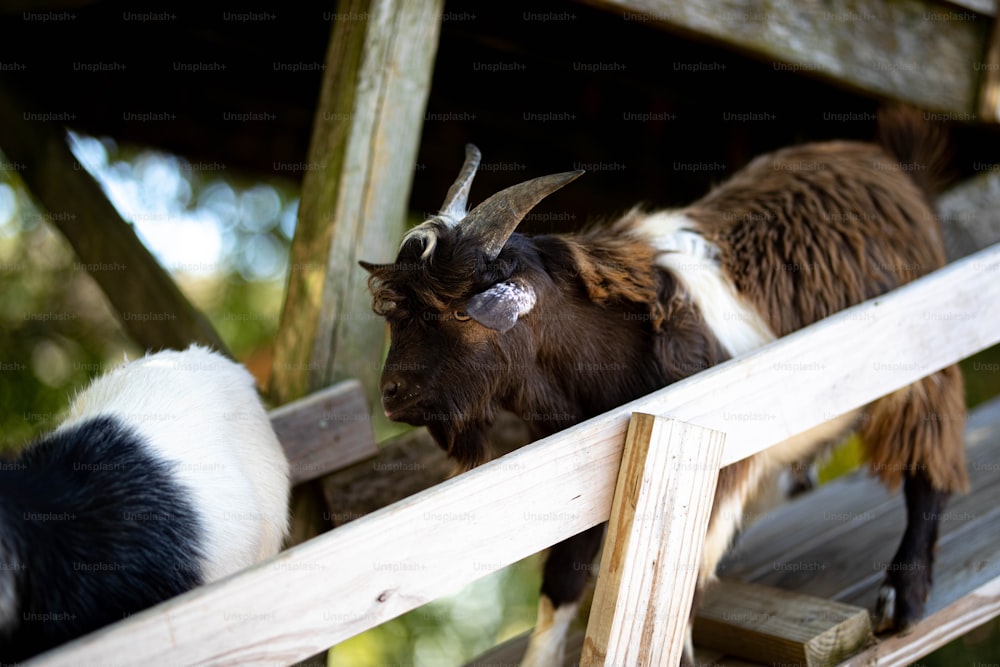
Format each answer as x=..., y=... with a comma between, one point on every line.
x=649, y=568
x=355, y=191
x=354, y=197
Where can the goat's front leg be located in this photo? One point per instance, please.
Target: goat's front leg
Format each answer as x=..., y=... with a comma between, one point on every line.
x=564, y=579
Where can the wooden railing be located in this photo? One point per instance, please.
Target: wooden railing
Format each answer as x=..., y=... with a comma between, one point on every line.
x=356, y=577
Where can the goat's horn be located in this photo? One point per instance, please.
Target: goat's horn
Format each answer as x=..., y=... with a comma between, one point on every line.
x=494, y=220
x=456, y=202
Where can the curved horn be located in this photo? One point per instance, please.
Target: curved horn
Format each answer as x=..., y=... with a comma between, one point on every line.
x=493, y=221
x=456, y=202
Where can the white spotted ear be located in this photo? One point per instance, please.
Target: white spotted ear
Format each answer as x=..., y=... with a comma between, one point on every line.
x=500, y=306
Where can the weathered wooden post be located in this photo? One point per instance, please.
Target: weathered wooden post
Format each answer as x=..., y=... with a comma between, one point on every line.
x=354, y=196
x=355, y=191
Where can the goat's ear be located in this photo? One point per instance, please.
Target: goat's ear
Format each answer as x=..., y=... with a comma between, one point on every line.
x=368, y=266
x=500, y=306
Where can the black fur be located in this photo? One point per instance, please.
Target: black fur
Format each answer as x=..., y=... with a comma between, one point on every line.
x=93, y=528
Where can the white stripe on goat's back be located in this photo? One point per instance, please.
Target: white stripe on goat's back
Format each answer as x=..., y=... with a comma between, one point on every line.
x=695, y=263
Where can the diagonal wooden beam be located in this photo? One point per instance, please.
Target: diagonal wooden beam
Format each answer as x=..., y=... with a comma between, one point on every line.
x=150, y=306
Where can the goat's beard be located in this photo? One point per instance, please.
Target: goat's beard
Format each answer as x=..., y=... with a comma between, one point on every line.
x=465, y=443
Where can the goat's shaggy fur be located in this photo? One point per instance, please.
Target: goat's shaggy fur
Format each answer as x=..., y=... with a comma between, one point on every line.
x=623, y=310
x=165, y=475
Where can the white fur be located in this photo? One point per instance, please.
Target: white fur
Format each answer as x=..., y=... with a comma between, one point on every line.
x=428, y=230
x=547, y=646
x=200, y=412
x=695, y=262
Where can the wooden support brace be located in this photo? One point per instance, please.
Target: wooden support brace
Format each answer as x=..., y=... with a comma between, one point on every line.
x=649, y=568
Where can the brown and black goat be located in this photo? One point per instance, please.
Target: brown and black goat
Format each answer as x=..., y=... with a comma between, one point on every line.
x=559, y=329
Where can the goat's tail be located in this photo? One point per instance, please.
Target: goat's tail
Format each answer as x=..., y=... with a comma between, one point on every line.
x=919, y=144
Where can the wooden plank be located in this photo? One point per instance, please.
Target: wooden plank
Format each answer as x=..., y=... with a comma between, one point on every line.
x=851, y=569
x=405, y=465
x=935, y=630
x=326, y=431
x=151, y=308
x=772, y=542
x=652, y=553
x=966, y=562
x=354, y=196
x=843, y=363
x=970, y=212
x=966, y=557
x=771, y=625
x=428, y=545
x=876, y=46
x=833, y=513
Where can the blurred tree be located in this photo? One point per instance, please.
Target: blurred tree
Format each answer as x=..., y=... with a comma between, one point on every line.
x=57, y=328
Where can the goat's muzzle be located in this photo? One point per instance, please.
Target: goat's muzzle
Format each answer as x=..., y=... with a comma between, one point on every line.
x=396, y=397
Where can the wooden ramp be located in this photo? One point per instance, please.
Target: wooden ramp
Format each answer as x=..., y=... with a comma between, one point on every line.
x=835, y=542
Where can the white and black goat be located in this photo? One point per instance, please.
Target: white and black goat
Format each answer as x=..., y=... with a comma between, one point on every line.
x=562, y=328
x=165, y=475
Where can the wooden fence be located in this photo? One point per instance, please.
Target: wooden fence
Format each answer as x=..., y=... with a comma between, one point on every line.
x=356, y=577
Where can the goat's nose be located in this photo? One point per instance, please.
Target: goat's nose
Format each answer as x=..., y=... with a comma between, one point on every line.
x=391, y=389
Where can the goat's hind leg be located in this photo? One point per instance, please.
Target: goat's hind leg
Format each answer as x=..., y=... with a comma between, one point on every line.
x=909, y=575
x=915, y=436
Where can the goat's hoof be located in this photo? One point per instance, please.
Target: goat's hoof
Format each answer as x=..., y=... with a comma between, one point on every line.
x=885, y=609
x=895, y=611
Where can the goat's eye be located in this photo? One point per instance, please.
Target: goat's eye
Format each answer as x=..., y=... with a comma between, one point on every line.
x=461, y=315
